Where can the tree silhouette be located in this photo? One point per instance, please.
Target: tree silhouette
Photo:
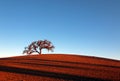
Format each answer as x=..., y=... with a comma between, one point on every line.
x=37, y=47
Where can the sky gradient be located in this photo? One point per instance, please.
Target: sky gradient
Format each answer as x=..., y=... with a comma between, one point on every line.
x=87, y=27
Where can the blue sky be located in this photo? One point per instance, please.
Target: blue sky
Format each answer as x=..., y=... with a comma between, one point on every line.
x=87, y=27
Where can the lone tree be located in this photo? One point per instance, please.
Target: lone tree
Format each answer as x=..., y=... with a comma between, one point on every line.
x=37, y=47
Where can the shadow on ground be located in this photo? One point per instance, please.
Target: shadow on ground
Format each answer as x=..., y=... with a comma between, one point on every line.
x=46, y=74
x=100, y=65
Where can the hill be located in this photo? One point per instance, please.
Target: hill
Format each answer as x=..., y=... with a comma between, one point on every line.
x=59, y=67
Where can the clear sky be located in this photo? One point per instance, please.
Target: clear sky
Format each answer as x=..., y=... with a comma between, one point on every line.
x=87, y=27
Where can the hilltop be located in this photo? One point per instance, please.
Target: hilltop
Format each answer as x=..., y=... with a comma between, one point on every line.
x=59, y=67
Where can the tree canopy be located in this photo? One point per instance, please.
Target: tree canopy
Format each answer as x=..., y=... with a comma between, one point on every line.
x=37, y=46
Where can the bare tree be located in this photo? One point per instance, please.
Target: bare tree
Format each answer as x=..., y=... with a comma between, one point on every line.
x=37, y=47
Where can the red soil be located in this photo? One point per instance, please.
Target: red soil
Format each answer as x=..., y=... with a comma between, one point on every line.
x=59, y=67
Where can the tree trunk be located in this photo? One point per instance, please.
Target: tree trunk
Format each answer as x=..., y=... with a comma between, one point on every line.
x=40, y=52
